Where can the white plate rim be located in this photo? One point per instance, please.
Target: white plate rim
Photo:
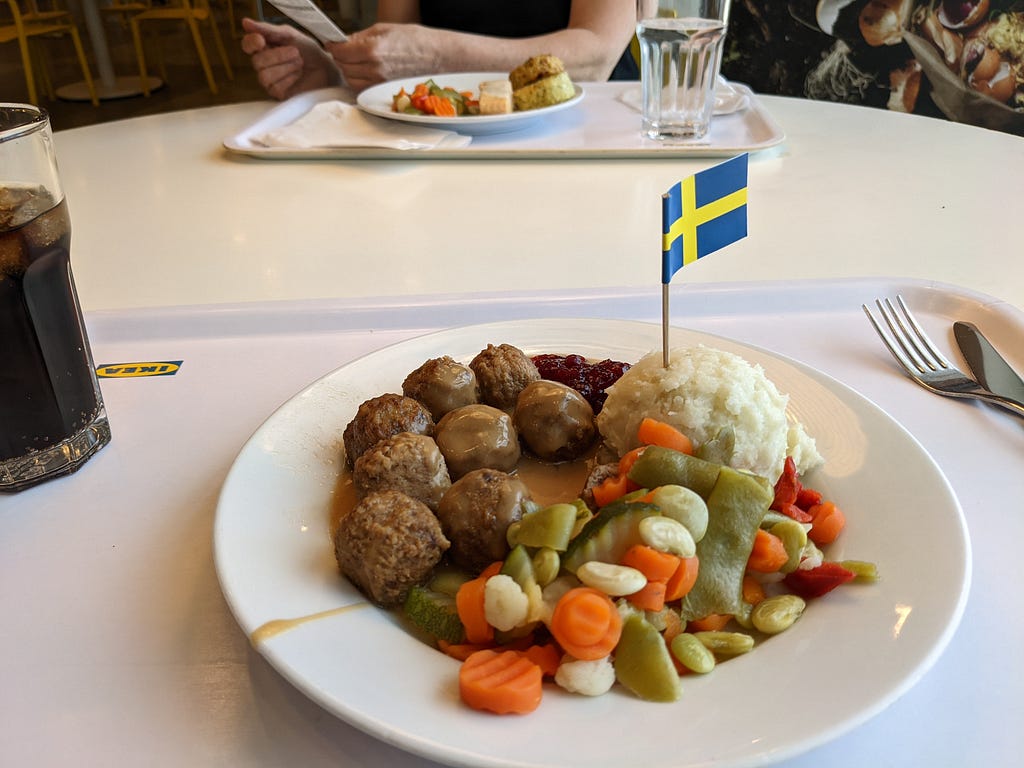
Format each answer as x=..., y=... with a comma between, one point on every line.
x=285, y=652
x=376, y=100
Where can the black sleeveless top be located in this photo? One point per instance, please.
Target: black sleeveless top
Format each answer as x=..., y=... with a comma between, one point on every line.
x=510, y=18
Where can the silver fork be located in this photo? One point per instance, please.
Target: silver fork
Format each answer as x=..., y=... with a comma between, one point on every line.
x=922, y=360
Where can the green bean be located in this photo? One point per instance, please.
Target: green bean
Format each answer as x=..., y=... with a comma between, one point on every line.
x=659, y=466
x=863, y=571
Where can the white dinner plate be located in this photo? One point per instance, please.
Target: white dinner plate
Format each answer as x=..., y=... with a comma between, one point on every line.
x=852, y=653
x=378, y=99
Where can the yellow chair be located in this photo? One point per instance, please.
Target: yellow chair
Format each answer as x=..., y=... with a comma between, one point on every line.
x=193, y=14
x=124, y=10
x=252, y=9
x=35, y=24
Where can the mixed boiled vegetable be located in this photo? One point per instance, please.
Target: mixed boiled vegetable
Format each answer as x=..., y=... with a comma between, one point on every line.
x=428, y=98
x=685, y=563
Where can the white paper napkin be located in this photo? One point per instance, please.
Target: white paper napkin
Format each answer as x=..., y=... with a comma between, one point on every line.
x=337, y=124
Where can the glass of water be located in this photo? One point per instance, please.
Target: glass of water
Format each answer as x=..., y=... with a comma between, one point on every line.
x=681, y=45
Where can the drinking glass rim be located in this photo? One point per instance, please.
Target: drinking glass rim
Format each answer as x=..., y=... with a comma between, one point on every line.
x=35, y=119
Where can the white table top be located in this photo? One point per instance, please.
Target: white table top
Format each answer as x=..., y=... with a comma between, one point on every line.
x=118, y=646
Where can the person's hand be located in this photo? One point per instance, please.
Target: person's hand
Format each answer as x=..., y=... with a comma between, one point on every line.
x=387, y=52
x=286, y=61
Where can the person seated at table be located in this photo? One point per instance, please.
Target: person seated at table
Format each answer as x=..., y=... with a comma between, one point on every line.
x=416, y=37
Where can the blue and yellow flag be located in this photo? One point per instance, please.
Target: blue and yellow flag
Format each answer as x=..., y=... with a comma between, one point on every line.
x=703, y=213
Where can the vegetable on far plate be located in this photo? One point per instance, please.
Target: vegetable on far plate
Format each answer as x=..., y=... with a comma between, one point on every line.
x=428, y=98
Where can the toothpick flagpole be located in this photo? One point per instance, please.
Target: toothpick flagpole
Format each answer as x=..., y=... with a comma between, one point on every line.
x=664, y=324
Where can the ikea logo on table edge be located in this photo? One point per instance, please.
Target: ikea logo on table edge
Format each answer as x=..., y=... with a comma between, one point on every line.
x=137, y=370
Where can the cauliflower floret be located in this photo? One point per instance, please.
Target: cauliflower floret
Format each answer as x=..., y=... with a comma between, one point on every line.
x=506, y=606
x=589, y=678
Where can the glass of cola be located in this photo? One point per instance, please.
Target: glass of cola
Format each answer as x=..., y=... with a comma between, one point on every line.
x=52, y=418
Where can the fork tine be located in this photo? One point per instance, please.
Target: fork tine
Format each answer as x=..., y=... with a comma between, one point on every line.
x=899, y=332
x=931, y=348
x=897, y=353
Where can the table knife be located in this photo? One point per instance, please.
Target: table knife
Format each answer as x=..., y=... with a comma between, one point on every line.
x=987, y=365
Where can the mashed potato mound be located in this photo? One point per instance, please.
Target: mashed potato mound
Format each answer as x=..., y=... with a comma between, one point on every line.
x=701, y=391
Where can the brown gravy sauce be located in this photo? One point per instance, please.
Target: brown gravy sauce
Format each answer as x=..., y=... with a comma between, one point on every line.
x=549, y=483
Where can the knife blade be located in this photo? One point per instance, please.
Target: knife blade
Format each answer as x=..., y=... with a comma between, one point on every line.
x=987, y=365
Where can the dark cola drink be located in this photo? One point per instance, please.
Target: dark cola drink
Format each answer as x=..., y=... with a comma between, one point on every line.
x=51, y=412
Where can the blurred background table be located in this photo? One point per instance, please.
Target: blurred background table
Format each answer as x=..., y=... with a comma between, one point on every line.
x=852, y=191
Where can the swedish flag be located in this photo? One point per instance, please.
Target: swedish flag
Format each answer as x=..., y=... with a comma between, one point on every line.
x=703, y=213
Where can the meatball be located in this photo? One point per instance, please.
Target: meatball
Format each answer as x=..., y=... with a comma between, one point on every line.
x=503, y=371
x=387, y=544
x=382, y=417
x=477, y=436
x=555, y=421
x=405, y=462
x=442, y=385
x=475, y=514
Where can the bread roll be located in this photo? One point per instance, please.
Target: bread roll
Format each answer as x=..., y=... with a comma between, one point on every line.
x=544, y=93
x=534, y=69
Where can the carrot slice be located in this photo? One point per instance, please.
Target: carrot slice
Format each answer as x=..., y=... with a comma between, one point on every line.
x=469, y=603
x=753, y=590
x=682, y=581
x=629, y=459
x=710, y=623
x=651, y=597
x=654, y=432
x=652, y=563
x=768, y=554
x=611, y=489
x=586, y=624
x=827, y=522
x=438, y=105
x=460, y=651
x=547, y=657
x=505, y=682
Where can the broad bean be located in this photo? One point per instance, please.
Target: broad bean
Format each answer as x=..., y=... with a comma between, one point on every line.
x=614, y=580
x=666, y=534
x=777, y=613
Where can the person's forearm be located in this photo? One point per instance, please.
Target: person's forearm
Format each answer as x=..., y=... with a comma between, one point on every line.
x=586, y=56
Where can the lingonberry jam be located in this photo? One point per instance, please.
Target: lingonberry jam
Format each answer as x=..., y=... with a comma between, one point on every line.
x=589, y=379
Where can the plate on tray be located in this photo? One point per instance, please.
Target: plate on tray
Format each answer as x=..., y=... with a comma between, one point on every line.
x=603, y=126
x=851, y=654
x=377, y=100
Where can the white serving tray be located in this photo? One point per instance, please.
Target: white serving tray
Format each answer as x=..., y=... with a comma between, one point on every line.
x=131, y=532
x=604, y=124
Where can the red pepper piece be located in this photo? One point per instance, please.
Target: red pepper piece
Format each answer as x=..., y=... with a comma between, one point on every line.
x=815, y=582
x=807, y=498
x=793, y=511
x=787, y=487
